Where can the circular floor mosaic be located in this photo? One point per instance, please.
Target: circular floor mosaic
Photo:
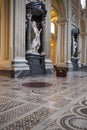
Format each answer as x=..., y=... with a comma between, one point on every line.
x=74, y=123
x=37, y=84
x=84, y=102
x=80, y=111
x=78, y=123
x=84, y=111
x=44, y=91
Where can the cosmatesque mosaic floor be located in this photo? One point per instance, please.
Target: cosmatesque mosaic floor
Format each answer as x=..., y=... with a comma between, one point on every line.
x=44, y=102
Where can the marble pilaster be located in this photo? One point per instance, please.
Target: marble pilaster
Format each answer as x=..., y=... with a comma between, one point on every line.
x=48, y=33
x=4, y=32
x=83, y=54
x=43, y=34
x=61, y=52
x=86, y=47
x=29, y=16
x=48, y=62
x=86, y=41
x=19, y=64
x=69, y=12
x=47, y=37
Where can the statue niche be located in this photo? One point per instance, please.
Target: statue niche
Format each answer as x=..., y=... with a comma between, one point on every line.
x=74, y=42
x=74, y=48
x=35, y=17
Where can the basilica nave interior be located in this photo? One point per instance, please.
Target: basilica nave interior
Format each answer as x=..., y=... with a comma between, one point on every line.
x=43, y=87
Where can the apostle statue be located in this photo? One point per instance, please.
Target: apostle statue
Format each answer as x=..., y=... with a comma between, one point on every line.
x=75, y=45
x=36, y=40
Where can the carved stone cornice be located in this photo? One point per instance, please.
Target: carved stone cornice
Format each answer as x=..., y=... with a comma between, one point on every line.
x=28, y=1
x=62, y=20
x=37, y=8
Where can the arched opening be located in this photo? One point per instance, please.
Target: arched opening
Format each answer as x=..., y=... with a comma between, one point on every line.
x=58, y=38
x=53, y=39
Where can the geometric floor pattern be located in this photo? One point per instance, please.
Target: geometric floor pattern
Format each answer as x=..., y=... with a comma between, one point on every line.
x=60, y=104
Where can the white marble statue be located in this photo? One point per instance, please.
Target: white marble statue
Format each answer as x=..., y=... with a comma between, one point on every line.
x=36, y=41
x=74, y=46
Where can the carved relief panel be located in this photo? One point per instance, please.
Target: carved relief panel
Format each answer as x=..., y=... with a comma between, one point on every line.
x=74, y=13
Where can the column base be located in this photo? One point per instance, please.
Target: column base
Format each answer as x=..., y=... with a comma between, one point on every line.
x=36, y=63
x=75, y=63
x=49, y=66
x=20, y=68
x=69, y=65
x=19, y=73
x=79, y=64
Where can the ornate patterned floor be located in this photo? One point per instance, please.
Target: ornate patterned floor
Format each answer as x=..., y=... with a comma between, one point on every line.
x=44, y=102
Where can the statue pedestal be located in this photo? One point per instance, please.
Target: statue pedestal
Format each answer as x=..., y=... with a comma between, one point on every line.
x=75, y=62
x=36, y=63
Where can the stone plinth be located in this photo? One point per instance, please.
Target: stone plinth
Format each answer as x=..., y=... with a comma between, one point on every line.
x=36, y=63
x=75, y=63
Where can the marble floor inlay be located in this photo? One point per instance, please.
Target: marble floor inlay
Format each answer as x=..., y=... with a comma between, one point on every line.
x=37, y=84
x=44, y=102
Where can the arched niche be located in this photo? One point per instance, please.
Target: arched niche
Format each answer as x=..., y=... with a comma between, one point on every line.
x=59, y=8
